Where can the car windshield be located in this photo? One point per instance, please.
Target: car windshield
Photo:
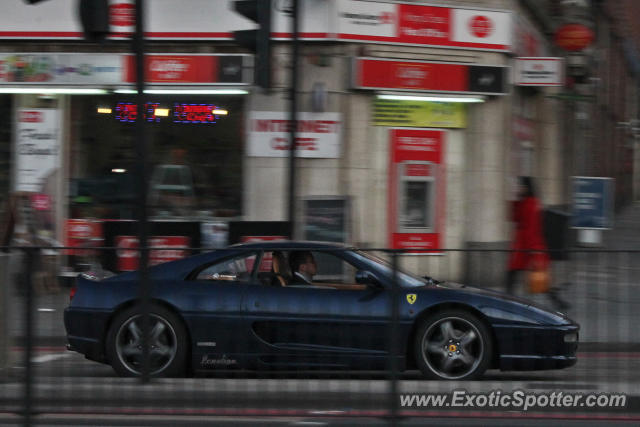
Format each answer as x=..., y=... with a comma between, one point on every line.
x=406, y=279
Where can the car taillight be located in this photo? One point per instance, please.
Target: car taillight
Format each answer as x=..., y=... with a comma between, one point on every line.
x=72, y=293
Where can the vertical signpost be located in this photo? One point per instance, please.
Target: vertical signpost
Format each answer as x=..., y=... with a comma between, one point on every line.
x=592, y=208
x=141, y=153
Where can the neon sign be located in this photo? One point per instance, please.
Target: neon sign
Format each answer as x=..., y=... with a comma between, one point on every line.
x=194, y=113
x=128, y=112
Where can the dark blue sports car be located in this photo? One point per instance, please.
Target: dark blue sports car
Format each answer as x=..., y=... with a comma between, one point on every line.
x=242, y=308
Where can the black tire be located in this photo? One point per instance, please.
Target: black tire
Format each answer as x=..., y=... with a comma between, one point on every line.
x=168, y=343
x=453, y=345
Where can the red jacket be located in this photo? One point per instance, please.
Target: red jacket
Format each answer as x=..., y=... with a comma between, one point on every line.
x=528, y=235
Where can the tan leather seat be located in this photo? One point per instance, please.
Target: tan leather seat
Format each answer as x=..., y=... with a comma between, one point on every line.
x=280, y=268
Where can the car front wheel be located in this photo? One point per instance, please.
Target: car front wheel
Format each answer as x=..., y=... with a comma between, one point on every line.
x=167, y=343
x=453, y=345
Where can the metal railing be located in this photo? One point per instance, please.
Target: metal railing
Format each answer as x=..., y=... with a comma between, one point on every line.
x=41, y=378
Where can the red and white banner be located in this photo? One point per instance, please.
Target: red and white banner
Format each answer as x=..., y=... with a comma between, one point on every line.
x=191, y=69
x=415, y=24
x=419, y=152
x=349, y=20
x=319, y=134
x=174, y=69
x=172, y=248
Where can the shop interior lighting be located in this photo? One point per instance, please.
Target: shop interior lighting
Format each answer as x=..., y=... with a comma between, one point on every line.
x=434, y=98
x=162, y=112
x=53, y=91
x=220, y=112
x=104, y=110
x=186, y=91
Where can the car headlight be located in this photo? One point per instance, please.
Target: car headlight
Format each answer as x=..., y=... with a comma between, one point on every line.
x=571, y=337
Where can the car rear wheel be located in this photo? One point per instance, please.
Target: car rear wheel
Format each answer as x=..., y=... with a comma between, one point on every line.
x=453, y=345
x=167, y=343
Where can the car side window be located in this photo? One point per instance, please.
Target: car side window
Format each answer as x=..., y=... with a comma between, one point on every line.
x=333, y=269
x=238, y=268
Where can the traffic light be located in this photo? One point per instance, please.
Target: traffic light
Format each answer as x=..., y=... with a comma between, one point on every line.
x=259, y=40
x=94, y=16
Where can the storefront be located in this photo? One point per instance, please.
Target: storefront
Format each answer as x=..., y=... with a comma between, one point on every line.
x=74, y=138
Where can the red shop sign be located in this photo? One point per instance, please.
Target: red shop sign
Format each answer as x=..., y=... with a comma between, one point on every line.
x=122, y=14
x=175, y=69
x=574, y=37
x=376, y=73
x=171, y=248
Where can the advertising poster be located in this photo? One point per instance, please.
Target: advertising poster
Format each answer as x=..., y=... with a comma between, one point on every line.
x=61, y=68
x=37, y=147
x=592, y=202
x=326, y=219
x=391, y=112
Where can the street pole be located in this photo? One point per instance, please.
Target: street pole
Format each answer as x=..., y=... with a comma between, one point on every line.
x=141, y=155
x=293, y=119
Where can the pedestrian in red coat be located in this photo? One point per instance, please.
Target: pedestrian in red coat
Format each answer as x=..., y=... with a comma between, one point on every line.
x=525, y=212
x=529, y=237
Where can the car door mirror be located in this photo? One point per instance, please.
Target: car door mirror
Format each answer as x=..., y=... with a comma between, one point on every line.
x=365, y=277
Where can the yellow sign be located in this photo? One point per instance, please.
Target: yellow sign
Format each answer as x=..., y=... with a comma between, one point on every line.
x=411, y=298
x=390, y=112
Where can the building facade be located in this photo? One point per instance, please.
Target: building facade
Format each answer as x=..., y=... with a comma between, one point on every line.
x=415, y=120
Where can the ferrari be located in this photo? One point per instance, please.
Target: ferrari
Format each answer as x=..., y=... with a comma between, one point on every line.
x=239, y=308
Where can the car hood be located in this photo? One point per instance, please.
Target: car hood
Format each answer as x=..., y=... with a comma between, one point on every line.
x=546, y=313
x=482, y=291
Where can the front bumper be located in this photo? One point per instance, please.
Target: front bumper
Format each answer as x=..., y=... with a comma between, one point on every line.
x=526, y=348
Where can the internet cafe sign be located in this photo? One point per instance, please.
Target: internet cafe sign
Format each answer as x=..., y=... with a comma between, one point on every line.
x=318, y=134
x=37, y=147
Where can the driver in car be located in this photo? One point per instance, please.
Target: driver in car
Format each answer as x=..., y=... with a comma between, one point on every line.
x=303, y=266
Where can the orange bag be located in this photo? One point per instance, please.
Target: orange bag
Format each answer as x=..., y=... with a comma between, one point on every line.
x=538, y=281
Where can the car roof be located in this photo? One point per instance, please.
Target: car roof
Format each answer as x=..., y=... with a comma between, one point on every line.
x=291, y=244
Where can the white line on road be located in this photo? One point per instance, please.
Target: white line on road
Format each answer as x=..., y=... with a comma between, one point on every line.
x=49, y=357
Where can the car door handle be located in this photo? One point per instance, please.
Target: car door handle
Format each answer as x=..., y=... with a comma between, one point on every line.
x=256, y=304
